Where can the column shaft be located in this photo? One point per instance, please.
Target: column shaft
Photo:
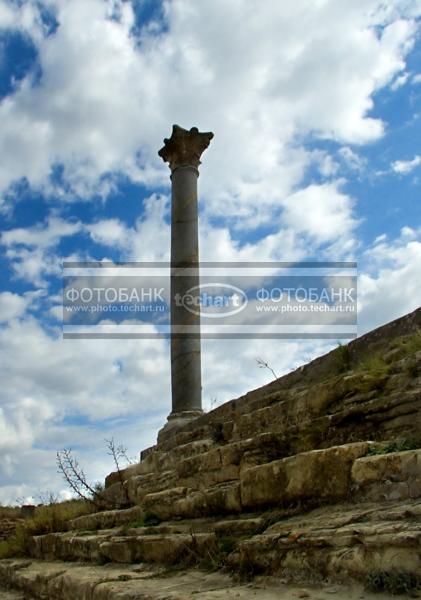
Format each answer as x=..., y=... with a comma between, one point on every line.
x=186, y=377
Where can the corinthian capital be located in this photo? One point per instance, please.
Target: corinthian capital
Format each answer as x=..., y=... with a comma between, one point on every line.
x=184, y=148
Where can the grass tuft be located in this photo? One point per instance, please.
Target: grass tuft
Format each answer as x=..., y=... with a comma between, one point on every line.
x=50, y=518
x=393, y=582
x=396, y=446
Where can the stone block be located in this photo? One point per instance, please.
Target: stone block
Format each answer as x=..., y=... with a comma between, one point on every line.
x=318, y=475
x=385, y=477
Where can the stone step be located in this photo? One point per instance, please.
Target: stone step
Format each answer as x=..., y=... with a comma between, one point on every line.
x=116, y=546
x=313, y=388
x=166, y=543
x=354, y=407
x=107, y=519
x=244, y=476
x=341, y=543
x=333, y=475
x=207, y=465
x=69, y=581
x=320, y=476
x=159, y=461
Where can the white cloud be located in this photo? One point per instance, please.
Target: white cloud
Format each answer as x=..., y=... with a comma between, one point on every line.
x=25, y=17
x=96, y=381
x=110, y=232
x=40, y=236
x=406, y=166
x=147, y=240
x=322, y=212
x=30, y=249
x=399, y=81
x=389, y=286
x=106, y=99
x=416, y=78
x=12, y=306
x=7, y=16
x=351, y=159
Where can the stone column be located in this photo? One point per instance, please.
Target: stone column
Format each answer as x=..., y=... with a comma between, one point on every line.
x=182, y=152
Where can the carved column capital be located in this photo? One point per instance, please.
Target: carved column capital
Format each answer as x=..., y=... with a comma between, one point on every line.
x=184, y=148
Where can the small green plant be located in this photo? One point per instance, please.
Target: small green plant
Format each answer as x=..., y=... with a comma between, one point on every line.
x=273, y=516
x=226, y=545
x=102, y=560
x=374, y=365
x=247, y=569
x=47, y=519
x=10, y=512
x=151, y=520
x=393, y=582
x=343, y=358
x=412, y=368
x=217, y=433
x=412, y=343
x=216, y=558
x=395, y=446
x=147, y=520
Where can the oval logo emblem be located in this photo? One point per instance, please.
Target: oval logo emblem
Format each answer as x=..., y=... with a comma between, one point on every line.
x=214, y=300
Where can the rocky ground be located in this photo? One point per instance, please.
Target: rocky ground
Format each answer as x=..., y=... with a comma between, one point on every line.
x=10, y=595
x=133, y=583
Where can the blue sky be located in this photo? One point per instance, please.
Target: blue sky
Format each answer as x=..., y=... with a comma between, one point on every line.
x=316, y=112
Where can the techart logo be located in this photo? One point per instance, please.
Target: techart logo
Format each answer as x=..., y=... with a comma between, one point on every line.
x=213, y=300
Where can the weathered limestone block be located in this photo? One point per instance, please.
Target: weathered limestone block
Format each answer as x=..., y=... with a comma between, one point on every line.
x=239, y=526
x=186, y=503
x=34, y=583
x=394, y=476
x=341, y=543
x=316, y=475
x=224, y=498
x=162, y=504
x=107, y=519
x=152, y=463
x=227, y=455
x=193, y=505
x=157, y=461
x=67, y=546
x=116, y=496
x=163, y=549
x=191, y=449
x=270, y=418
x=359, y=560
x=204, y=479
x=141, y=485
x=261, y=448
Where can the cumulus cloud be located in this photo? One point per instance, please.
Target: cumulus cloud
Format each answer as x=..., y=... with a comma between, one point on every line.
x=399, y=81
x=322, y=212
x=12, y=306
x=90, y=382
x=403, y=167
x=388, y=287
x=31, y=249
x=107, y=95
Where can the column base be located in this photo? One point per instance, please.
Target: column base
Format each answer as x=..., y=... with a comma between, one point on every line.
x=175, y=421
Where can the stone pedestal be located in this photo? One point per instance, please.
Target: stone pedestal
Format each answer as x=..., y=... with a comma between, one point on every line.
x=183, y=151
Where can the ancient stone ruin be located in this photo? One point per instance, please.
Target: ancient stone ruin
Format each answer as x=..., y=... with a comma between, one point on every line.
x=182, y=152
x=315, y=477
